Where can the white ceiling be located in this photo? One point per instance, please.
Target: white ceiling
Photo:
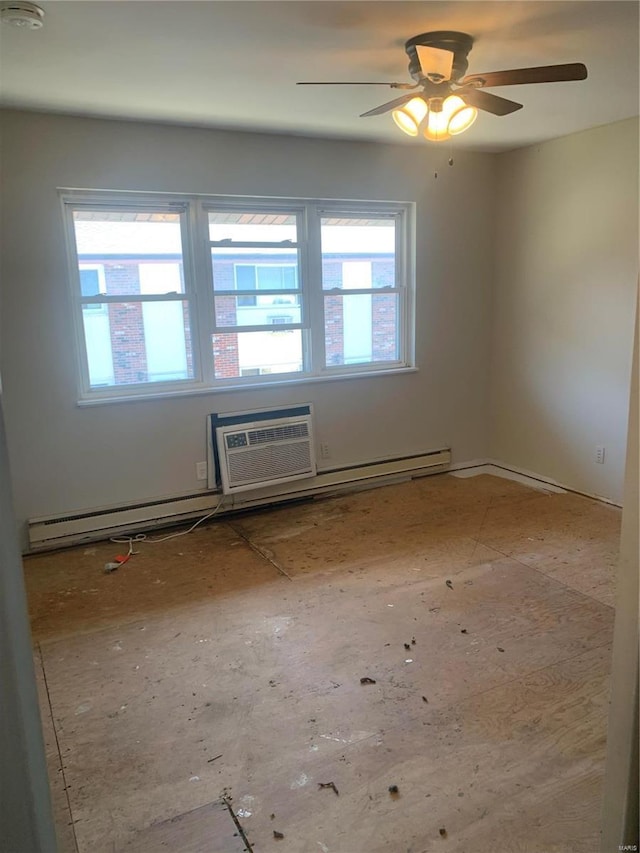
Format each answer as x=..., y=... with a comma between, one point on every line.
x=235, y=64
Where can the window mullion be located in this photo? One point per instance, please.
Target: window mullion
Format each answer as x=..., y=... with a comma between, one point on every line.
x=361, y=291
x=203, y=282
x=262, y=327
x=315, y=296
x=172, y=296
x=259, y=291
x=404, y=277
x=82, y=360
x=252, y=244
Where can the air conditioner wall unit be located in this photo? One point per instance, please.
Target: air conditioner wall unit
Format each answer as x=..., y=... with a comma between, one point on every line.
x=265, y=452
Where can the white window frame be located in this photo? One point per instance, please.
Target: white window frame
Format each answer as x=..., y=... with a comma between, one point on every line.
x=399, y=214
x=199, y=291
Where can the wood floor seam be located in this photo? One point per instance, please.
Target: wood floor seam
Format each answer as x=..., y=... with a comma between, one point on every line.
x=549, y=576
x=60, y=759
x=257, y=549
x=238, y=825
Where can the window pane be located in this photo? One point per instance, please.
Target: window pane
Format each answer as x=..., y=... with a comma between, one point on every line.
x=239, y=269
x=358, y=253
x=252, y=226
x=138, y=252
x=89, y=282
x=262, y=311
x=243, y=353
x=361, y=329
x=245, y=275
x=132, y=342
x=272, y=277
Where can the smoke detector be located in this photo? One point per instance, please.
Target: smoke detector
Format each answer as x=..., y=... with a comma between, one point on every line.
x=28, y=16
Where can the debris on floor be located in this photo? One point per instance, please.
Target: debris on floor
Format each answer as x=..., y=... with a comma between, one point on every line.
x=331, y=785
x=272, y=816
x=500, y=649
x=277, y=834
x=367, y=680
x=393, y=789
x=449, y=584
x=413, y=641
x=119, y=559
x=463, y=631
x=443, y=832
x=424, y=699
x=407, y=646
x=215, y=758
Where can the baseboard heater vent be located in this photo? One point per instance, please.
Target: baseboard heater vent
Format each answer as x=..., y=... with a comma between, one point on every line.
x=62, y=531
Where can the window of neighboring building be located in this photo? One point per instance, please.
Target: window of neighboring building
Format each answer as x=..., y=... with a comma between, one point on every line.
x=264, y=277
x=92, y=283
x=284, y=290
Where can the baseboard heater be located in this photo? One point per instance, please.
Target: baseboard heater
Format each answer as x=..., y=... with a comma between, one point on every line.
x=62, y=531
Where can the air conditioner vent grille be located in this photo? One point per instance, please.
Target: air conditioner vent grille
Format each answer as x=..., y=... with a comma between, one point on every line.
x=280, y=433
x=269, y=463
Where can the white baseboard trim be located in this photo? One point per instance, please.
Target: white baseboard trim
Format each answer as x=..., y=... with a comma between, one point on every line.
x=528, y=478
x=63, y=531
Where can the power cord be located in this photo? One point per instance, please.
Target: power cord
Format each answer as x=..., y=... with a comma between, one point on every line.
x=142, y=537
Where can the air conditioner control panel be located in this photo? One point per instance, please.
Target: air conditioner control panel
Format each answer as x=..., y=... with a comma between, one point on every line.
x=236, y=439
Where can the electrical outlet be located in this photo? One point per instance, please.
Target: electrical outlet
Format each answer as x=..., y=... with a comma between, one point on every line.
x=325, y=453
x=600, y=454
x=201, y=470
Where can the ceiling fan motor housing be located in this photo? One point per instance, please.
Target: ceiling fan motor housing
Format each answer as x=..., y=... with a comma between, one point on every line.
x=458, y=43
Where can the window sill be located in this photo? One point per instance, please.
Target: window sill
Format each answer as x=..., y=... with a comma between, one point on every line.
x=257, y=386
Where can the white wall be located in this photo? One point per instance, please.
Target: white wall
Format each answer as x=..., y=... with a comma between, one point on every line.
x=620, y=801
x=563, y=308
x=65, y=458
x=26, y=821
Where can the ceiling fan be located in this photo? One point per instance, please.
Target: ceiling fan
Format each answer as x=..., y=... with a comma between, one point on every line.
x=447, y=102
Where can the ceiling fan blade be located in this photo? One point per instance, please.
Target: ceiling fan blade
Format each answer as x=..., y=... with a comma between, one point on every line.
x=488, y=102
x=519, y=76
x=390, y=105
x=435, y=62
x=357, y=83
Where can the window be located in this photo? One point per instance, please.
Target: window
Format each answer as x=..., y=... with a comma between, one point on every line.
x=272, y=290
x=264, y=277
x=361, y=314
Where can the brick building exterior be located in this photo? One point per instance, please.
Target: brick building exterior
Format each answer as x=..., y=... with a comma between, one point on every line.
x=126, y=328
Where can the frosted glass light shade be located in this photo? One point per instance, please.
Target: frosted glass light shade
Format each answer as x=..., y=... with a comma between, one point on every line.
x=410, y=116
x=454, y=117
x=462, y=116
x=436, y=129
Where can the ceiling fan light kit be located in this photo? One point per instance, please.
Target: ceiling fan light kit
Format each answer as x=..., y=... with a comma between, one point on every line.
x=449, y=101
x=438, y=119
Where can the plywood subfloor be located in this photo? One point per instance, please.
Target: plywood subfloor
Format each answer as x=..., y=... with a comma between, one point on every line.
x=225, y=667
